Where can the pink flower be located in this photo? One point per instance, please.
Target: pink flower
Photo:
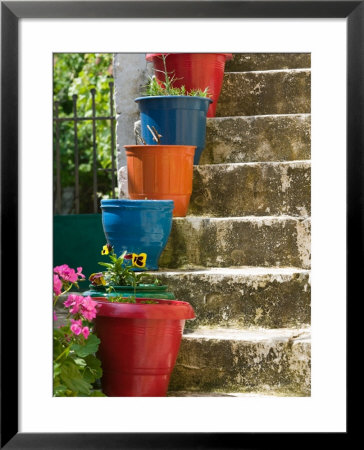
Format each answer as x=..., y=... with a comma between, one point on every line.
x=85, y=332
x=55, y=318
x=76, y=326
x=57, y=285
x=85, y=306
x=67, y=274
x=79, y=270
x=73, y=302
x=88, y=308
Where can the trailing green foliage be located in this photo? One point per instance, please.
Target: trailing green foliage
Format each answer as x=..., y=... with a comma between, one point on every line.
x=75, y=368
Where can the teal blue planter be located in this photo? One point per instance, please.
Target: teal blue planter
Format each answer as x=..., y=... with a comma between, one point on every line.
x=138, y=226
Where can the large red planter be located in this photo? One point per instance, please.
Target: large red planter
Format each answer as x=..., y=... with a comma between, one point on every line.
x=194, y=71
x=139, y=345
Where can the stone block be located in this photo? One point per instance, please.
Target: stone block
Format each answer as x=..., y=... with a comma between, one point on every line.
x=257, y=138
x=237, y=241
x=244, y=361
x=267, y=92
x=245, y=62
x=240, y=189
x=244, y=297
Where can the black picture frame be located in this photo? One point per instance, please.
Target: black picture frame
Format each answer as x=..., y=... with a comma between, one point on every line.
x=11, y=12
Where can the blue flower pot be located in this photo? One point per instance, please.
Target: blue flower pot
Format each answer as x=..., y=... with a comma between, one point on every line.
x=180, y=119
x=138, y=226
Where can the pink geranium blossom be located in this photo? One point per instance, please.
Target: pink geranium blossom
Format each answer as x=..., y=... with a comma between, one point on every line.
x=57, y=285
x=68, y=274
x=73, y=302
x=88, y=308
x=55, y=318
x=79, y=270
x=85, y=332
x=76, y=326
x=84, y=306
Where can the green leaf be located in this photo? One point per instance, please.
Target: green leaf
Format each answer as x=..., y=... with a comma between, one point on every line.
x=72, y=378
x=93, y=369
x=94, y=393
x=79, y=362
x=89, y=347
x=56, y=369
x=60, y=390
x=108, y=265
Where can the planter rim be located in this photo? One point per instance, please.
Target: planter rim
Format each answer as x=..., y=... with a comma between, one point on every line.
x=137, y=204
x=141, y=287
x=165, y=309
x=150, y=56
x=160, y=147
x=172, y=97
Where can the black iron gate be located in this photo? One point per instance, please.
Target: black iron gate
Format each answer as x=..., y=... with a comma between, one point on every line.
x=77, y=119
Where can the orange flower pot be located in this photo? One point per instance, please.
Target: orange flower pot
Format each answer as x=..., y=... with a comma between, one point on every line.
x=161, y=172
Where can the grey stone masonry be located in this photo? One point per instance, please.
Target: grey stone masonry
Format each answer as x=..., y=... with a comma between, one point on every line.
x=266, y=92
x=244, y=297
x=243, y=62
x=228, y=190
x=244, y=360
x=257, y=138
x=269, y=241
x=130, y=74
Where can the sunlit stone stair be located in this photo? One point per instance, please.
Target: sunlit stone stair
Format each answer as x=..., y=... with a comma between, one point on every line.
x=241, y=257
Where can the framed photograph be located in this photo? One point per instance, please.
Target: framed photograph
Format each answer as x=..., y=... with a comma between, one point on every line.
x=331, y=35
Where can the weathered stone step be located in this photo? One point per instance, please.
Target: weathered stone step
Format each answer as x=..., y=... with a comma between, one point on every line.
x=265, y=92
x=244, y=297
x=244, y=360
x=257, y=138
x=240, y=189
x=244, y=62
x=240, y=139
x=221, y=393
x=237, y=241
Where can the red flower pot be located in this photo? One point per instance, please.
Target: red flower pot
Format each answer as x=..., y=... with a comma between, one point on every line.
x=139, y=345
x=194, y=71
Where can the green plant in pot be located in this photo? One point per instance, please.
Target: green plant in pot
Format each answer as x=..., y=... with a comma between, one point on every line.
x=120, y=281
x=177, y=114
x=140, y=337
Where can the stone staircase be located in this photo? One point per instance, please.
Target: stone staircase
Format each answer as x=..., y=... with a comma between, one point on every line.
x=241, y=257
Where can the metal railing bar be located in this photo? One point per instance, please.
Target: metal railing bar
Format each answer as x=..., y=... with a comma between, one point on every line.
x=77, y=159
x=58, y=205
x=93, y=92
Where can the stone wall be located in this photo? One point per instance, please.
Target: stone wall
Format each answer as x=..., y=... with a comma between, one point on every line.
x=131, y=75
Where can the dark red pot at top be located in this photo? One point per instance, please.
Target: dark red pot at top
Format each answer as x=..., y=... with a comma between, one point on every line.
x=139, y=345
x=194, y=71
